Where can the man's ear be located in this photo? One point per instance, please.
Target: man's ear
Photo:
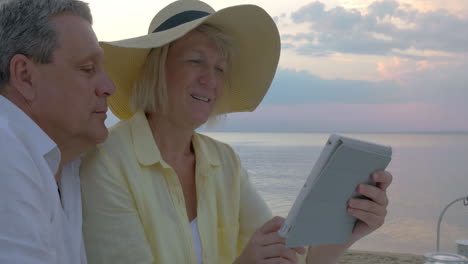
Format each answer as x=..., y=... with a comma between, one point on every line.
x=21, y=76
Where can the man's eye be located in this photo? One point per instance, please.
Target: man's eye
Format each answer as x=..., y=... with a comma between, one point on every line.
x=219, y=69
x=195, y=61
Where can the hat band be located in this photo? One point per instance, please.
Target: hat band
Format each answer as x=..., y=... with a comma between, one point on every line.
x=180, y=19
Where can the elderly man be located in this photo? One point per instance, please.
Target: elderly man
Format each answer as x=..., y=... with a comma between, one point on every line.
x=53, y=94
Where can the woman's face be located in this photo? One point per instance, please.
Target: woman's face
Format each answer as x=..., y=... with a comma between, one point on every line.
x=195, y=73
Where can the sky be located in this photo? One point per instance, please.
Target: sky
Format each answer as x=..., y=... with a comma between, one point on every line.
x=346, y=65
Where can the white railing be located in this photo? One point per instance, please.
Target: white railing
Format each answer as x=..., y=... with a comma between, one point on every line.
x=465, y=202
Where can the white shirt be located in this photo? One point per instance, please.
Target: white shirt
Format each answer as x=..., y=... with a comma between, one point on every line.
x=196, y=240
x=36, y=226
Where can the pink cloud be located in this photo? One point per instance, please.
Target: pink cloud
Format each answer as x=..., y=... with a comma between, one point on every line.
x=456, y=6
x=400, y=68
x=360, y=117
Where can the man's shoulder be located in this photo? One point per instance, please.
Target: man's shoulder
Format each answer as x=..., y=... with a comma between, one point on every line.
x=10, y=142
x=24, y=201
x=17, y=165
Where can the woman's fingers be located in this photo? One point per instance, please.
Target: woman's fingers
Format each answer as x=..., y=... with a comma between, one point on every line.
x=373, y=221
x=272, y=225
x=266, y=246
x=383, y=179
x=368, y=206
x=374, y=193
x=278, y=261
x=270, y=239
x=279, y=251
x=299, y=250
x=370, y=212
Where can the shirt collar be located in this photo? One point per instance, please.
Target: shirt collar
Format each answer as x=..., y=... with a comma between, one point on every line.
x=203, y=151
x=36, y=140
x=147, y=151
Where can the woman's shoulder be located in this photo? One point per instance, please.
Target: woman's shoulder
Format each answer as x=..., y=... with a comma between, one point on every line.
x=114, y=150
x=119, y=136
x=214, y=143
x=216, y=147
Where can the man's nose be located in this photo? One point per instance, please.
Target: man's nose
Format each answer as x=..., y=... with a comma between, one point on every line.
x=105, y=86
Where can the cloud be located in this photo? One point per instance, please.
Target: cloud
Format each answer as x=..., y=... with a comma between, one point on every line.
x=398, y=67
x=381, y=29
x=439, y=82
x=350, y=118
x=406, y=82
x=299, y=87
x=383, y=8
x=298, y=37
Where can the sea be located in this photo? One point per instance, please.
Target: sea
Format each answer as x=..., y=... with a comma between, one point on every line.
x=429, y=171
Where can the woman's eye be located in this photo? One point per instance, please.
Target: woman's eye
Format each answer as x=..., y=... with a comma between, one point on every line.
x=195, y=61
x=88, y=69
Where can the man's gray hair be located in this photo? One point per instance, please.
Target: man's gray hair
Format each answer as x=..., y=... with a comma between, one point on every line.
x=25, y=29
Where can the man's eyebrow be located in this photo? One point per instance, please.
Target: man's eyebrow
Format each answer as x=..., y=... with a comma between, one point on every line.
x=93, y=56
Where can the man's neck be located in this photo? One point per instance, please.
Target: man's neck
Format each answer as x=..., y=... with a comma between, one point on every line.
x=72, y=149
x=69, y=151
x=69, y=148
x=58, y=173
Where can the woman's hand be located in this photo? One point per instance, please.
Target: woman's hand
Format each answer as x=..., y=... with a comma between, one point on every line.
x=267, y=247
x=371, y=213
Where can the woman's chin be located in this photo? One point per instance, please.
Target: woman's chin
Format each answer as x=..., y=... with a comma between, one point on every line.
x=199, y=121
x=200, y=117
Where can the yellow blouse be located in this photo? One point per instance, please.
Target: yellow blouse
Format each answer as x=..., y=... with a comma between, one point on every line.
x=134, y=209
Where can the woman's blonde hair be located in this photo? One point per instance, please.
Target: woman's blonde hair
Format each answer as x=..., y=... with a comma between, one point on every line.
x=150, y=89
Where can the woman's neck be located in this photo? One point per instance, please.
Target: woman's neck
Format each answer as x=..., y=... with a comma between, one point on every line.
x=174, y=142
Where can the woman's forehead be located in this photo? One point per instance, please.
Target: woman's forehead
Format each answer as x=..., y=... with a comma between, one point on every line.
x=196, y=43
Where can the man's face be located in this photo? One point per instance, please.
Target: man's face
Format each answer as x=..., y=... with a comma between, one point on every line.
x=70, y=102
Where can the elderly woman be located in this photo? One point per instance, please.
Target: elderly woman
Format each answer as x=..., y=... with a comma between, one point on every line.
x=157, y=191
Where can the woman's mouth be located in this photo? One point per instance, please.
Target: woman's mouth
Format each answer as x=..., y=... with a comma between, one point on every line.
x=200, y=98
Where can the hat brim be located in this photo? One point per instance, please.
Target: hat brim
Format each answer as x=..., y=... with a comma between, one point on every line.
x=255, y=40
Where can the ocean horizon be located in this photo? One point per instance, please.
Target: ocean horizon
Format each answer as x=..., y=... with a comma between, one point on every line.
x=429, y=171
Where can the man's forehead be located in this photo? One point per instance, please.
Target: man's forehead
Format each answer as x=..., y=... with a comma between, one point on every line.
x=76, y=38
x=94, y=55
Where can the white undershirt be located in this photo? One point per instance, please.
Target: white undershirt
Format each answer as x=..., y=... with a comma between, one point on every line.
x=196, y=240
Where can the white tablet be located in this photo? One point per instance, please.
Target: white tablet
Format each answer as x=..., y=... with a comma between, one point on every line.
x=319, y=214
